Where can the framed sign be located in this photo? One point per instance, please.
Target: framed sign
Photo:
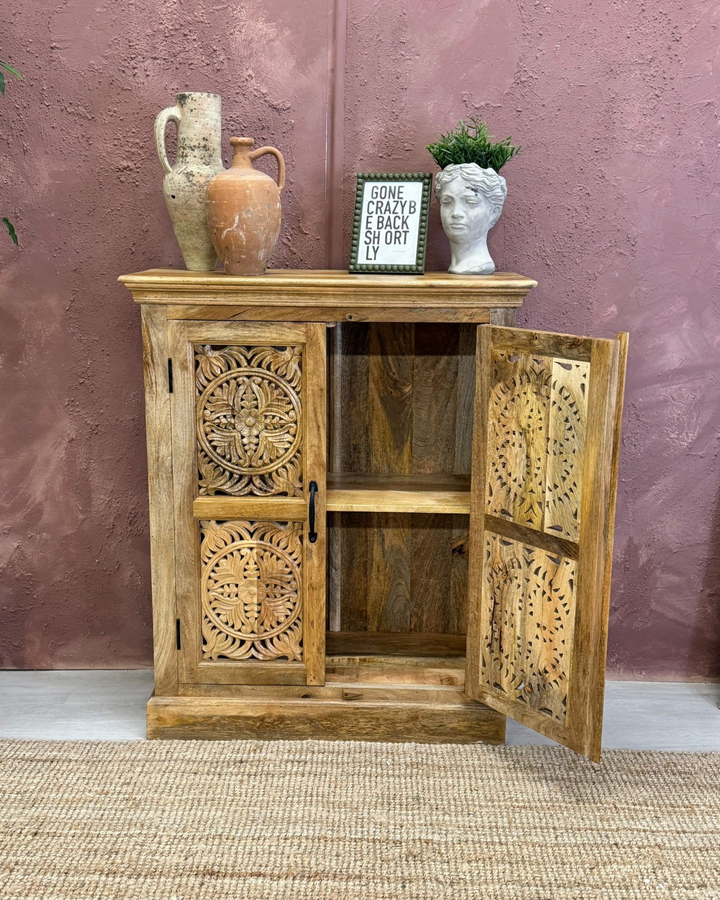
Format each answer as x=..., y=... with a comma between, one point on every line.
x=390, y=223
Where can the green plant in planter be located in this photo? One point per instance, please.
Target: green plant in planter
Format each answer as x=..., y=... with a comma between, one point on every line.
x=470, y=142
x=13, y=71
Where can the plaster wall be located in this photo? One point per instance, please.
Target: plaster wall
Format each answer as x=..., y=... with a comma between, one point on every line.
x=613, y=206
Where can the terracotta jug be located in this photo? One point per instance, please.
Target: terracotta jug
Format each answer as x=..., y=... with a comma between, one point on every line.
x=244, y=212
x=197, y=117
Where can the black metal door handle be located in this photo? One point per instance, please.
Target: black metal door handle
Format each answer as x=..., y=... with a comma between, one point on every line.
x=312, y=536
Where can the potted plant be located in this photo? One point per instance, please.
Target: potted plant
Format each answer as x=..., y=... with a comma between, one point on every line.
x=470, y=191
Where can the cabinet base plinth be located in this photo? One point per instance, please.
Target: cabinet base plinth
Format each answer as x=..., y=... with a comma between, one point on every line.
x=204, y=718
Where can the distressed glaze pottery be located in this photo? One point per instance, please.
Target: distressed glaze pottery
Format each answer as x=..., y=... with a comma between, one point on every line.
x=198, y=161
x=244, y=212
x=471, y=200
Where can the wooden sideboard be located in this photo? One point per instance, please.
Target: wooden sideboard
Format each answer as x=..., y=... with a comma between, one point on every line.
x=377, y=510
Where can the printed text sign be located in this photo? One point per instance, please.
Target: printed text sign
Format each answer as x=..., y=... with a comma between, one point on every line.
x=390, y=227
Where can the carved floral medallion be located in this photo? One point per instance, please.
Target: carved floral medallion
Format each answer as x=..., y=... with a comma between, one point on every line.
x=517, y=437
x=536, y=439
x=527, y=651
x=251, y=590
x=249, y=416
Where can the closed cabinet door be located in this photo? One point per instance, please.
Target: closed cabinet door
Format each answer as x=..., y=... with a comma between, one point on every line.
x=547, y=432
x=249, y=469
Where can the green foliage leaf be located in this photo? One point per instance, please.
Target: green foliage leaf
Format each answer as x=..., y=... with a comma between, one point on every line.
x=11, y=229
x=11, y=69
x=472, y=143
x=8, y=68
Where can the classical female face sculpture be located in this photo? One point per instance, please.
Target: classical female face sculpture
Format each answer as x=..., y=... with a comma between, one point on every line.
x=471, y=200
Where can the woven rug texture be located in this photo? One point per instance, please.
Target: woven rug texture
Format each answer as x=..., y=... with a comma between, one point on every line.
x=187, y=820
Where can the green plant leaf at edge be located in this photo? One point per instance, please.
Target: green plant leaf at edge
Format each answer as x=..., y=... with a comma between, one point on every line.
x=11, y=69
x=11, y=230
x=8, y=68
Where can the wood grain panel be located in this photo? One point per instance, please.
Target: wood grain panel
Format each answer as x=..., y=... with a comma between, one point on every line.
x=193, y=718
x=251, y=673
x=390, y=430
x=412, y=579
x=435, y=397
x=542, y=343
x=460, y=537
x=389, y=598
x=316, y=471
x=387, y=671
x=185, y=488
x=160, y=491
x=333, y=539
x=349, y=401
x=402, y=405
x=304, y=312
x=462, y=450
x=433, y=606
x=503, y=315
x=390, y=398
x=430, y=693
x=349, y=452
x=566, y=447
x=514, y=532
x=353, y=531
x=399, y=493
x=222, y=507
x=367, y=643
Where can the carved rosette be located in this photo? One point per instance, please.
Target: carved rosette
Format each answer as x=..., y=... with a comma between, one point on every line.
x=536, y=439
x=566, y=447
x=531, y=596
x=517, y=438
x=251, y=590
x=248, y=417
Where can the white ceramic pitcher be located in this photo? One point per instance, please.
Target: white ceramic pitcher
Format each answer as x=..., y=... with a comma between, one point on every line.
x=198, y=120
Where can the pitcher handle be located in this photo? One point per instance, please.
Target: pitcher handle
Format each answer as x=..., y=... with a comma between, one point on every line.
x=171, y=114
x=261, y=151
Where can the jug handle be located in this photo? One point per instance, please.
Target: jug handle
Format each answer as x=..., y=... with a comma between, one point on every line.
x=261, y=151
x=171, y=114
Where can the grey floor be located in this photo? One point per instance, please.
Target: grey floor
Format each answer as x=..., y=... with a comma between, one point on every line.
x=110, y=705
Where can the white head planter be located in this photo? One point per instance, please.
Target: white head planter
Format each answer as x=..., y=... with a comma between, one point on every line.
x=471, y=200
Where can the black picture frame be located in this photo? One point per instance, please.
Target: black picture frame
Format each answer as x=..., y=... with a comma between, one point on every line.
x=387, y=242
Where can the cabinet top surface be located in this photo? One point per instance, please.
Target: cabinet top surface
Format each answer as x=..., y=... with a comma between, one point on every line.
x=326, y=279
x=308, y=294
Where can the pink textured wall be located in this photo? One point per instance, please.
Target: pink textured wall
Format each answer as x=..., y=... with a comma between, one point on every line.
x=82, y=182
x=613, y=205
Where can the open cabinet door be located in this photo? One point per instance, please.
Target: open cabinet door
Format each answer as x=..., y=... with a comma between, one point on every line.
x=544, y=476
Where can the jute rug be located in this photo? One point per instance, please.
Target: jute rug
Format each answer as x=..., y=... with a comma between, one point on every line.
x=260, y=821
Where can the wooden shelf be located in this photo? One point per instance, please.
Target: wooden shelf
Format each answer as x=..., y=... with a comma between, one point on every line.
x=395, y=659
x=398, y=493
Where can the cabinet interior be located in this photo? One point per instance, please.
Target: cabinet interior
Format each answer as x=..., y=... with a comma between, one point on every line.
x=400, y=438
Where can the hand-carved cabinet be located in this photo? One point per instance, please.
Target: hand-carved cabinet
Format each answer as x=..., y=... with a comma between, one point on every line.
x=377, y=510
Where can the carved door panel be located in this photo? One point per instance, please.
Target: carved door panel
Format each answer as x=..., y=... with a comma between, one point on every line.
x=547, y=430
x=249, y=471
